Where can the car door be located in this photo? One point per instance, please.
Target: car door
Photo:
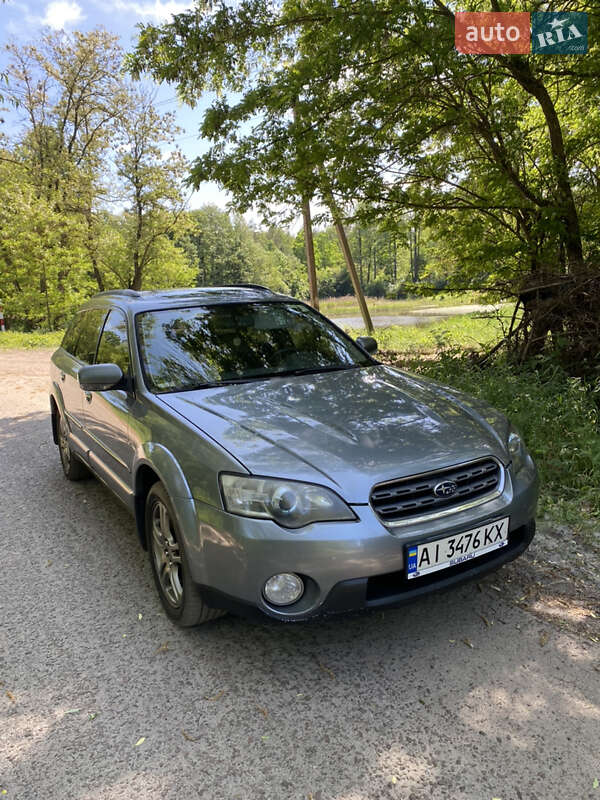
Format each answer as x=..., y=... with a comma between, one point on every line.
x=106, y=414
x=78, y=349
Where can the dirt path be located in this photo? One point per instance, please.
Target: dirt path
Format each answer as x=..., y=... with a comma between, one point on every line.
x=487, y=691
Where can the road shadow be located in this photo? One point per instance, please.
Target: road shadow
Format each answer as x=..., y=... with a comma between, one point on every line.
x=459, y=695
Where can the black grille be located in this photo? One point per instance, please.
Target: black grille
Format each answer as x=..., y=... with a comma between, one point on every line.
x=413, y=496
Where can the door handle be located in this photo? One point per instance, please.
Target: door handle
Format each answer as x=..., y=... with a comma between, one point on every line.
x=62, y=376
x=88, y=397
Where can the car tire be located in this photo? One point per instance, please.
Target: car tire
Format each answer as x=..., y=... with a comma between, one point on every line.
x=179, y=595
x=73, y=468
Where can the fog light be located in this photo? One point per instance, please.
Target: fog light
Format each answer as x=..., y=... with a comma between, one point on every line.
x=284, y=589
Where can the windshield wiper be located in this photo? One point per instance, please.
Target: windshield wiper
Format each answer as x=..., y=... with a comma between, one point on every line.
x=311, y=370
x=266, y=376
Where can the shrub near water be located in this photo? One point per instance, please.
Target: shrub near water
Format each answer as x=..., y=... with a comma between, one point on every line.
x=557, y=415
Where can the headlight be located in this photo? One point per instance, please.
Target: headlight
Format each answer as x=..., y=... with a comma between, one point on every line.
x=289, y=503
x=516, y=450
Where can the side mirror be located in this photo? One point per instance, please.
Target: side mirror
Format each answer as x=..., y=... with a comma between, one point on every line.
x=367, y=343
x=101, y=377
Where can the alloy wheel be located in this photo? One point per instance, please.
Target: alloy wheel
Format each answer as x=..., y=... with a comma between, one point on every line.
x=167, y=554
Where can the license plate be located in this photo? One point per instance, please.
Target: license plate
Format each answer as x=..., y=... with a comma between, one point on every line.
x=443, y=553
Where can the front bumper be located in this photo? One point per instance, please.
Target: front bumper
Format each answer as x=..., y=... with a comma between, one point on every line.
x=346, y=566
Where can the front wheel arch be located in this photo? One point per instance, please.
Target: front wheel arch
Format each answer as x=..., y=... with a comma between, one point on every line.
x=145, y=478
x=54, y=414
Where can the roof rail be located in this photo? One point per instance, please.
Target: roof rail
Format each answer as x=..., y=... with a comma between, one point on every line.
x=248, y=286
x=124, y=292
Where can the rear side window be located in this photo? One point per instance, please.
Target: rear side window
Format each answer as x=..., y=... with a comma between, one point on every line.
x=69, y=341
x=88, y=330
x=114, y=342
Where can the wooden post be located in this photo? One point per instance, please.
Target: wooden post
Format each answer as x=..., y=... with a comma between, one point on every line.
x=358, y=291
x=309, y=249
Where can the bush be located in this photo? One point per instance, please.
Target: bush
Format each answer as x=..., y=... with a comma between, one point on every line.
x=376, y=288
x=558, y=416
x=18, y=339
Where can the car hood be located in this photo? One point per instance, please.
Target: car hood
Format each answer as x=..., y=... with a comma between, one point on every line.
x=347, y=429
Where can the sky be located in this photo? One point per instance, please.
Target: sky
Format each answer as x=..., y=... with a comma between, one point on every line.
x=22, y=21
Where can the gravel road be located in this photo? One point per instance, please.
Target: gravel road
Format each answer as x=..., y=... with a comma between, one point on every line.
x=464, y=696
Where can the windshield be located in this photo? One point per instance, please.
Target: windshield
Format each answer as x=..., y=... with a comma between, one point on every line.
x=191, y=348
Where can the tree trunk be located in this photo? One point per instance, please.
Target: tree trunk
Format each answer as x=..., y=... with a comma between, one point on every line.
x=309, y=249
x=522, y=73
x=358, y=291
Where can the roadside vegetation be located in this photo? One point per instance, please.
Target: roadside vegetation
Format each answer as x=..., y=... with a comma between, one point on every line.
x=15, y=340
x=346, y=305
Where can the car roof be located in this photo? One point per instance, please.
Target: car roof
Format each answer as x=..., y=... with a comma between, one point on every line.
x=135, y=301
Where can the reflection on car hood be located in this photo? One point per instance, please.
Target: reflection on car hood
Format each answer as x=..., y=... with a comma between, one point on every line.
x=347, y=429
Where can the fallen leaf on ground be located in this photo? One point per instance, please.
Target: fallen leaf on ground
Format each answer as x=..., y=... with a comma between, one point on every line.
x=496, y=588
x=92, y=716
x=162, y=648
x=263, y=711
x=486, y=620
x=596, y=783
x=217, y=696
x=140, y=741
x=139, y=616
x=11, y=696
x=326, y=669
x=543, y=638
x=189, y=738
x=49, y=564
x=393, y=779
x=469, y=643
x=73, y=711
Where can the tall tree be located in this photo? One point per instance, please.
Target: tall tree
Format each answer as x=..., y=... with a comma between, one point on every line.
x=151, y=170
x=401, y=121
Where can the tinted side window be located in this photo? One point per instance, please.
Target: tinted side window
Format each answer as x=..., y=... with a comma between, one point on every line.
x=69, y=341
x=114, y=344
x=89, y=330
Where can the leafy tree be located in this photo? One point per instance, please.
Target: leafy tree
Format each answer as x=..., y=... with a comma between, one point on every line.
x=225, y=250
x=41, y=281
x=494, y=151
x=152, y=182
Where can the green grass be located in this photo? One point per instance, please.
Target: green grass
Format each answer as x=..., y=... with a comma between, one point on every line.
x=467, y=332
x=557, y=415
x=10, y=340
x=348, y=306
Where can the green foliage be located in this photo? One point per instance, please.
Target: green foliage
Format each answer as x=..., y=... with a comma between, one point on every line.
x=472, y=332
x=223, y=250
x=41, y=279
x=369, y=107
x=558, y=417
x=90, y=141
x=11, y=340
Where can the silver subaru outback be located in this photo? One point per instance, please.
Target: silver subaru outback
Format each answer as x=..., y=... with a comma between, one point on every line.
x=274, y=467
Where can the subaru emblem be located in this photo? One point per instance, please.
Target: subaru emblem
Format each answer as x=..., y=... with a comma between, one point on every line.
x=445, y=489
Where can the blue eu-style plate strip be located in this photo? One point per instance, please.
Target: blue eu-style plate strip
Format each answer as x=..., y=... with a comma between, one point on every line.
x=412, y=560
